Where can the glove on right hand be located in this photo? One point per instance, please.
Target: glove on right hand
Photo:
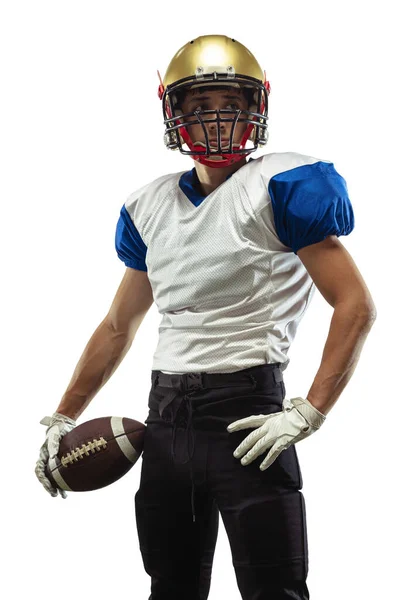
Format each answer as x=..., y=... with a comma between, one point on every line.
x=59, y=425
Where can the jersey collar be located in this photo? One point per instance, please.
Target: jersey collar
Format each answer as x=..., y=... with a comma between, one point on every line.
x=189, y=183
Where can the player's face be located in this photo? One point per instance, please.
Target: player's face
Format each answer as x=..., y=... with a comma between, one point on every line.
x=233, y=99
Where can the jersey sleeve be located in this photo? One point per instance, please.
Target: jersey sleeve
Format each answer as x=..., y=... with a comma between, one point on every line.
x=128, y=243
x=310, y=202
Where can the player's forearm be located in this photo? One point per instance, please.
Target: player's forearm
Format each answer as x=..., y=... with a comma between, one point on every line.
x=101, y=357
x=347, y=334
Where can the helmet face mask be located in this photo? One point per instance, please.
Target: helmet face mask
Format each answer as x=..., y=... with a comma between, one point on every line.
x=235, y=132
x=252, y=122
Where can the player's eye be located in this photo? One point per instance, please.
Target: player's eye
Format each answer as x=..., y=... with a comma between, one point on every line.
x=234, y=106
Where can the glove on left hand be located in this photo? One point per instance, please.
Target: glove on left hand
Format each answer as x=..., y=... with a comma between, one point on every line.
x=297, y=420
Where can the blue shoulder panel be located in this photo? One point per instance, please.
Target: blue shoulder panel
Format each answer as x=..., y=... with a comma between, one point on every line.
x=309, y=203
x=128, y=243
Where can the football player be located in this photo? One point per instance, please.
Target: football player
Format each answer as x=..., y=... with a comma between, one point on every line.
x=231, y=252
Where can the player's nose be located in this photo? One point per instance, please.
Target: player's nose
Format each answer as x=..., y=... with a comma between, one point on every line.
x=215, y=122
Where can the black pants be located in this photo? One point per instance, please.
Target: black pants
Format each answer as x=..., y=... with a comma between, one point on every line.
x=189, y=475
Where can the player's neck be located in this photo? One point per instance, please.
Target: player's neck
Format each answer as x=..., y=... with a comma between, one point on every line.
x=210, y=178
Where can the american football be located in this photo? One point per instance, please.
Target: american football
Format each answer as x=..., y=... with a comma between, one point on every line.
x=96, y=453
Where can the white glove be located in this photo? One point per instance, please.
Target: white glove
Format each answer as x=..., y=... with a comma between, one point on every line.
x=59, y=425
x=297, y=420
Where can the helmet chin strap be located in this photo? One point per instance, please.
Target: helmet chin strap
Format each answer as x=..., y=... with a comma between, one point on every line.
x=219, y=161
x=215, y=160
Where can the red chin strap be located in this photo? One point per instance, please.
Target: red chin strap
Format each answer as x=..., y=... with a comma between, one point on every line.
x=229, y=159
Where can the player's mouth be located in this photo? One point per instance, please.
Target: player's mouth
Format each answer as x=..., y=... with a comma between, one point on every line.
x=214, y=145
x=214, y=142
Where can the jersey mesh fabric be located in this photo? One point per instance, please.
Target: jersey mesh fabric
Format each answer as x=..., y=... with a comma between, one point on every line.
x=230, y=292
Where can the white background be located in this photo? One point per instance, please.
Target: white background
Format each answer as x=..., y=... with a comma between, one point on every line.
x=81, y=128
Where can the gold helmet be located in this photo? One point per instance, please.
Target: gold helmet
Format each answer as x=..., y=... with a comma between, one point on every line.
x=217, y=61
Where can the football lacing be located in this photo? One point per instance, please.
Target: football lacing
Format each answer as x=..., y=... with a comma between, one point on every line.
x=84, y=450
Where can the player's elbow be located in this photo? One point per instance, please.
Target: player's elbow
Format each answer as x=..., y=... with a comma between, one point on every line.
x=362, y=312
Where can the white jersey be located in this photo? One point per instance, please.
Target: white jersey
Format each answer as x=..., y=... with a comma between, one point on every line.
x=223, y=268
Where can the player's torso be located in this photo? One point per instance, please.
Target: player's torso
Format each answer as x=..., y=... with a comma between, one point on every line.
x=208, y=257
x=230, y=292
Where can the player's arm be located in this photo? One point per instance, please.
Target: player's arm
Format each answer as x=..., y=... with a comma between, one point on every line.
x=338, y=279
x=109, y=343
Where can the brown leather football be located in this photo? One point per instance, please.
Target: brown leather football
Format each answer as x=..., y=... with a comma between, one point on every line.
x=96, y=453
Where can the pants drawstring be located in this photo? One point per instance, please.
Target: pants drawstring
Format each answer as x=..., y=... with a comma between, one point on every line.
x=189, y=431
